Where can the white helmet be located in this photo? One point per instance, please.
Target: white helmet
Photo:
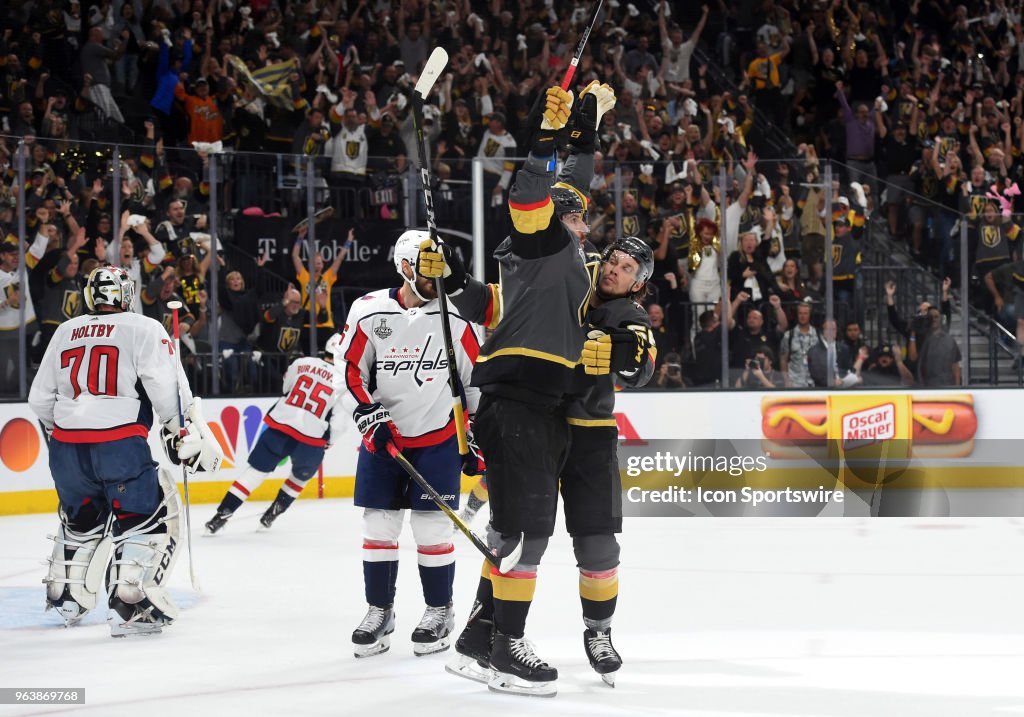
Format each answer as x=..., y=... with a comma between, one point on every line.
x=332, y=347
x=408, y=248
x=109, y=286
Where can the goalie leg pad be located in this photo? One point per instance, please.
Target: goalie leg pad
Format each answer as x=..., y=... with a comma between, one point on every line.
x=77, y=564
x=145, y=551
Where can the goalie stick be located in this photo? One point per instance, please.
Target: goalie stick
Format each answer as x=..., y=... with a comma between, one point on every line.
x=174, y=306
x=502, y=563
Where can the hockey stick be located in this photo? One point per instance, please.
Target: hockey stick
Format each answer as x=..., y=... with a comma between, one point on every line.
x=432, y=70
x=321, y=216
x=503, y=564
x=174, y=306
x=571, y=69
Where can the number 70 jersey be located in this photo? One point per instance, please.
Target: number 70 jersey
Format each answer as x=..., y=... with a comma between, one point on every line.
x=103, y=376
x=312, y=388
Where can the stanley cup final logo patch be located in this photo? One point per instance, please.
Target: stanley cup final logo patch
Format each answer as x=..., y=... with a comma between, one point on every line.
x=381, y=329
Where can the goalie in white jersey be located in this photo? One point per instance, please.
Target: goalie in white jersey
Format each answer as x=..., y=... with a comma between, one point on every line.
x=396, y=371
x=300, y=426
x=101, y=380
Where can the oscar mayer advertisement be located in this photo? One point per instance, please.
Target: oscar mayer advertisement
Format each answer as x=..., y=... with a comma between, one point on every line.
x=839, y=425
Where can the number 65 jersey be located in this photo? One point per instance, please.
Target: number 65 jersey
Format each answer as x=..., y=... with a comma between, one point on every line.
x=104, y=375
x=306, y=411
x=395, y=355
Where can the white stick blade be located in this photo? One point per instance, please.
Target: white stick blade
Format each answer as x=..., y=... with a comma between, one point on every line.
x=436, y=63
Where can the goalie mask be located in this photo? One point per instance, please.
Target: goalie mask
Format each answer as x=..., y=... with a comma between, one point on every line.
x=108, y=286
x=407, y=248
x=638, y=250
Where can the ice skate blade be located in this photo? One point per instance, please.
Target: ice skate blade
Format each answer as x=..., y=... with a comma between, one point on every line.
x=467, y=667
x=510, y=684
x=609, y=678
x=120, y=628
x=377, y=648
x=429, y=648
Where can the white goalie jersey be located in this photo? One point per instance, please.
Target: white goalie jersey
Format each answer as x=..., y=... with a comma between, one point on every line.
x=396, y=356
x=306, y=411
x=104, y=375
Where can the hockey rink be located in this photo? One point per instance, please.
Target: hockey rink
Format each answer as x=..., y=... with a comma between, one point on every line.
x=734, y=617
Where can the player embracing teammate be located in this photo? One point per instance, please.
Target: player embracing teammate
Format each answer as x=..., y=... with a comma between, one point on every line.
x=536, y=376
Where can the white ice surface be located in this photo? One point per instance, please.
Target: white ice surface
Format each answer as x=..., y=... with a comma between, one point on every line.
x=721, y=617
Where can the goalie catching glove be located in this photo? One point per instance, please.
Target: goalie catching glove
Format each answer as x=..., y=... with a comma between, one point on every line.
x=615, y=351
x=436, y=260
x=198, y=449
x=374, y=422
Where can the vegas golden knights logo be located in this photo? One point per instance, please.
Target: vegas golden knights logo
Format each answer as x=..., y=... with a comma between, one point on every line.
x=631, y=226
x=287, y=338
x=977, y=205
x=492, y=147
x=683, y=226
x=990, y=236
x=72, y=304
x=9, y=291
x=352, y=149
x=837, y=254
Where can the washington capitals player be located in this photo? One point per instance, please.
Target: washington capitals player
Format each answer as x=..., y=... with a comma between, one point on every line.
x=300, y=427
x=102, y=378
x=395, y=369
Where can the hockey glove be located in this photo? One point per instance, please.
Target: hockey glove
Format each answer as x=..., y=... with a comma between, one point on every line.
x=170, y=438
x=614, y=351
x=374, y=422
x=556, y=109
x=443, y=260
x=198, y=449
x=473, y=462
x=605, y=97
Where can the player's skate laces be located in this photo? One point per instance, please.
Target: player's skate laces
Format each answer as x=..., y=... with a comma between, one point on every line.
x=604, y=658
x=524, y=652
x=434, y=631
x=519, y=670
x=371, y=637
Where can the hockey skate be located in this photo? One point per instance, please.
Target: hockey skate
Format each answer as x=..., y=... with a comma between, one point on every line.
x=268, y=518
x=371, y=637
x=518, y=670
x=433, y=634
x=128, y=620
x=214, y=524
x=604, y=658
x=474, y=650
